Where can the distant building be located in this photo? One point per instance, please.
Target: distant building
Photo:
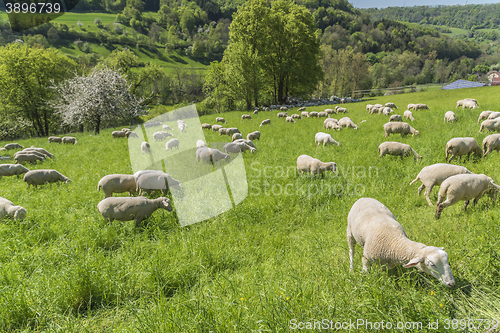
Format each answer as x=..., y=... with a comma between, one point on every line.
x=463, y=84
x=494, y=78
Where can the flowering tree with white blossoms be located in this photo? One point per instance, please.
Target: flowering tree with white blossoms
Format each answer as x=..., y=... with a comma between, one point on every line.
x=101, y=96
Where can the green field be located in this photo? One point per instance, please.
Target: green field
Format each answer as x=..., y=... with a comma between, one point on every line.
x=278, y=259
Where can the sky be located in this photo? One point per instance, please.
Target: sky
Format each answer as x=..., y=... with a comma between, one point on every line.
x=410, y=3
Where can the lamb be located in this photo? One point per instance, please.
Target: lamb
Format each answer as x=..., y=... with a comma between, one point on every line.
x=171, y=144
x=325, y=139
x=391, y=105
x=347, y=122
x=32, y=158
x=399, y=127
x=322, y=114
x=374, y=227
x=231, y=130
x=296, y=116
x=117, y=183
x=304, y=114
x=265, y=122
x=200, y=143
x=308, y=164
x=313, y=114
x=471, y=104
x=237, y=147
x=7, y=208
x=397, y=149
x=290, y=120
x=435, y=174
x=449, y=116
x=154, y=180
x=246, y=116
x=494, y=115
x=463, y=187
x=134, y=208
x=408, y=114
x=55, y=139
x=490, y=124
x=167, y=128
x=223, y=131
x=119, y=134
x=236, y=136
x=253, y=136
x=220, y=120
x=69, y=139
x=42, y=176
x=282, y=114
x=395, y=117
x=11, y=146
x=206, y=126
x=216, y=128
x=462, y=146
x=145, y=147
x=12, y=170
x=211, y=155
x=491, y=143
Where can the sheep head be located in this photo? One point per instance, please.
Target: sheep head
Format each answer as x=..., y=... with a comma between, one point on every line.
x=433, y=261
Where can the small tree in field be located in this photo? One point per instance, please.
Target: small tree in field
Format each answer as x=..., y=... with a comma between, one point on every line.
x=103, y=95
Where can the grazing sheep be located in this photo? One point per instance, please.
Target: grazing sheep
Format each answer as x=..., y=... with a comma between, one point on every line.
x=159, y=136
x=206, y=126
x=200, y=143
x=145, y=147
x=135, y=208
x=371, y=225
x=421, y=106
x=463, y=187
x=30, y=152
x=313, y=114
x=152, y=124
x=325, y=139
x=347, y=122
x=339, y=109
x=171, y=144
x=408, y=114
x=265, y=108
x=471, y=104
x=216, y=128
x=132, y=135
x=181, y=127
x=7, y=208
x=461, y=102
x=69, y=139
x=397, y=149
x=290, y=120
x=399, y=127
x=42, y=176
x=153, y=180
x=223, y=131
x=211, y=155
x=180, y=121
x=283, y=108
x=248, y=142
x=333, y=125
x=253, y=136
x=231, y=130
x=296, y=116
x=322, y=114
x=167, y=128
x=117, y=183
x=301, y=109
x=376, y=109
x=11, y=146
x=368, y=107
x=395, y=117
x=386, y=111
x=255, y=112
x=391, y=105
x=491, y=143
x=327, y=120
x=308, y=164
x=119, y=134
x=220, y=120
x=237, y=147
x=330, y=111
x=12, y=170
x=462, y=146
x=32, y=158
x=435, y=174
x=236, y=136
x=282, y=114
x=265, y=122
x=411, y=106
x=246, y=116
x=494, y=115
x=449, y=116
x=304, y=114
x=55, y=139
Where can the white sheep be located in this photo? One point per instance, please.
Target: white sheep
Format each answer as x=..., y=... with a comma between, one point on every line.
x=152, y=124
x=471, y=104
x=330, y=111
x=220, y=120
x=246, y=116
x=313, y=114
x=339, y=109
x=171, y=144
x=408, y=114
x=181, y=127
x=290, y=120
x=132, y=135
x=491, y=143
x=391, y=105
x=368, y=107
x=119, y=134
x=159, y=136
x=373, y=226
x=32, y=158
x=325, y=139
x=237, y=147
x=462, y=146
x=333, y=125
x=265, y=122
x=211, y=155
x=248, y=142
x=145, y=147
x=30, y=152
x=200, y=143
x=302, y=108
x=282, y=114
x=399, y=127
x=236, y=136
x=304, y=114
x=117, y=183
x=223, y=131
x=308, y=164
x=231, y=131
x=42, y=176
x=386, y=111
x=12, y=170
x=255, y=112
x=490, y=124
x=463, y=187
x=420, y=106
x=327, y=120
x=411, y=106
x=155, y=180
x=397, y=149
x=167, y=128
x=484, y=115
x=323, y=114
x=461, y=102
x=40, y=150
x=395, y=117
x=347, y=122
x=296, y=116
x=55, y=139
x=435, y=174
x=131, y=208
x=253, y=136
x=7, y=208
x=449, y=116
x=494, y=115
x=69, y=139
x=206, y=126
x=216, y=128
x=10, y=146
x=283, y=108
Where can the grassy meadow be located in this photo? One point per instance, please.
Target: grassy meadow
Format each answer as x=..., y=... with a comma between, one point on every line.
x=277, y=261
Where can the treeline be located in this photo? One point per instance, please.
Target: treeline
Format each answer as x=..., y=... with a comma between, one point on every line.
x=464, y=17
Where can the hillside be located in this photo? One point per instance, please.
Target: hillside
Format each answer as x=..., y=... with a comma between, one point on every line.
x=277, y=259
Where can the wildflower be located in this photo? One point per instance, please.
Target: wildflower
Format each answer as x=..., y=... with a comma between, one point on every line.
x=288, y=298
x=242, y=299
x=432, y=293
x=441, y=304
x=281, y=293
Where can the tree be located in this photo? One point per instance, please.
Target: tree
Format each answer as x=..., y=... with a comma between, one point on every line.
x=25, y=78
x=101, y=96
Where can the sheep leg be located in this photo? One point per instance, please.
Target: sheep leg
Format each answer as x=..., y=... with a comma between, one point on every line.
x=366, y=264
x=352, y=249
x=427, y=194
x=466, y=203
x=420, y=189
x=441, y=206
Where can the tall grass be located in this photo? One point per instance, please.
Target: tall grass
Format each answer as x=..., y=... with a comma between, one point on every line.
x=278, y=259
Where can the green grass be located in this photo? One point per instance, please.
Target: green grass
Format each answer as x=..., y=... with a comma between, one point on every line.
x=279, y=256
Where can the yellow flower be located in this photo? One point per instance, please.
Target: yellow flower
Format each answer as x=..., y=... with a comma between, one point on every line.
x=281, y=293
x=242, y=299
x=432, y=293
x=441, y=304
x=287, y=298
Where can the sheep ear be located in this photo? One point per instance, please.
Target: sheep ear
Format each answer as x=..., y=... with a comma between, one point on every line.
x=413, y=262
